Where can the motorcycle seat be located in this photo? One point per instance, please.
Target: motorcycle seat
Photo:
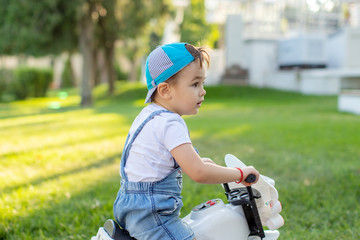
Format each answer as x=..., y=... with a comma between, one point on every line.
x=115, y=231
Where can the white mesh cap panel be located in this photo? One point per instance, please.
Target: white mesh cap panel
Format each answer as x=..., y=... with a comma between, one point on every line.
x=158, y=62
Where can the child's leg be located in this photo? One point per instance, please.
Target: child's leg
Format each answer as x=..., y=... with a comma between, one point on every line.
x=152, y=217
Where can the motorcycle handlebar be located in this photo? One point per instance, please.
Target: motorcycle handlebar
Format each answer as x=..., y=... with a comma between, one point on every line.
x=250, y=178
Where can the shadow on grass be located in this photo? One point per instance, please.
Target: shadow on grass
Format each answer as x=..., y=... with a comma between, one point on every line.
x=38, y=111
x=306, y=207
x=33, y=124
x=62, y=144
x=126, y=93
x=76, y=217
x=308, y=211
x=37, y=181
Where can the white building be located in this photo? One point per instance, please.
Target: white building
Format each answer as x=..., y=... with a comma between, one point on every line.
x=310, y=46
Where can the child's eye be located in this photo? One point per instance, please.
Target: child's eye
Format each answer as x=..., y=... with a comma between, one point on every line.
x=196, y=84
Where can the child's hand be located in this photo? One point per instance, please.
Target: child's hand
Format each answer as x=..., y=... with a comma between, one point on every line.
x=247, y=171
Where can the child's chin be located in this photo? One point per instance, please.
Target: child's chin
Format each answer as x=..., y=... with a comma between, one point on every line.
x=195, y=112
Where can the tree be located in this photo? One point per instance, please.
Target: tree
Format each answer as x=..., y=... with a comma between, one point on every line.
x=194, y=29
x=54, y=26
x=98, y=30
x=107, y=34
x=50, y=27
x=140, y=28
x=87, y=47
x=37, y=29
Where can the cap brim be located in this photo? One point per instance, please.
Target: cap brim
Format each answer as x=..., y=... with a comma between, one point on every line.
x=149, y=94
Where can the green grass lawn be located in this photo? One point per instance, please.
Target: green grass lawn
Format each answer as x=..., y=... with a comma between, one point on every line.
x=59, y=167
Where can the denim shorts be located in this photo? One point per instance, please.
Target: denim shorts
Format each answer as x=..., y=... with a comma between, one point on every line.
x=151, y=210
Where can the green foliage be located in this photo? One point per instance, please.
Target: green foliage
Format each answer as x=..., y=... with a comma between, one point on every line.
x=31, y=82
x=6, y=76
x=120, y=74
x=46, y=27
x=134, y=21
x=60, y=168
x=67, y=76
x=141, y=26
x=194, y=28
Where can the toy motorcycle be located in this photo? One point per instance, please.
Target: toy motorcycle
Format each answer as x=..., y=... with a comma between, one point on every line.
x=248, y=209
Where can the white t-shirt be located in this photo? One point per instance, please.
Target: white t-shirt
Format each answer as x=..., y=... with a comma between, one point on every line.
x=149, y=158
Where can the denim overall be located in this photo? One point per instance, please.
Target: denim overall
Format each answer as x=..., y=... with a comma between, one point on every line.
x=151, y=210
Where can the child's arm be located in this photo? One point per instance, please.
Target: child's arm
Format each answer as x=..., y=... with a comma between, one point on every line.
x=208, y=160
x=205, y=171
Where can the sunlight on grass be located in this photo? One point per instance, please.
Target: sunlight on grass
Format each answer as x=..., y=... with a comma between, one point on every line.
x=45, y=130
x=233, y=131
x=209, y=107
x=36, y=105
x=49, y=192
x=212, y=106
x=49, y=158
x=139, y=103
x=40, y=163
x=197, y=134
x=59, y=171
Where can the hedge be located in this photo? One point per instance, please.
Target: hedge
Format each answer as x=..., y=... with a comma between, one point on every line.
x=31, y=82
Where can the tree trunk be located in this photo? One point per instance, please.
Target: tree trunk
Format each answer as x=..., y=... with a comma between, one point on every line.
x=68, y=78
x=101, y=68
x=97, y=67
x=87, y=46
x=134, y=69
x=110, y=67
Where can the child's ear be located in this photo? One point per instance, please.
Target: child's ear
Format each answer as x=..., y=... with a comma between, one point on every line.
x=163, y=89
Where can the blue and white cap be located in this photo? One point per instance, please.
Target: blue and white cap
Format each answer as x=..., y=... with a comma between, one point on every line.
x=164, y=62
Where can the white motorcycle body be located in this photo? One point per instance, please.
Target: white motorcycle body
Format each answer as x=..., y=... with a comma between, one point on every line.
x=214, y=220
x=222, y=221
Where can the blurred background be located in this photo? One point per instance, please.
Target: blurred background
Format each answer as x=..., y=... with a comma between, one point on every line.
x=311, y=46
x=283, y=76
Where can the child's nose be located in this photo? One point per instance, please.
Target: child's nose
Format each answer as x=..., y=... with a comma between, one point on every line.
x=203, y=91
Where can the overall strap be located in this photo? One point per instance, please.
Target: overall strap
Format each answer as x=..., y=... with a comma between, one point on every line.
x=129, y=143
